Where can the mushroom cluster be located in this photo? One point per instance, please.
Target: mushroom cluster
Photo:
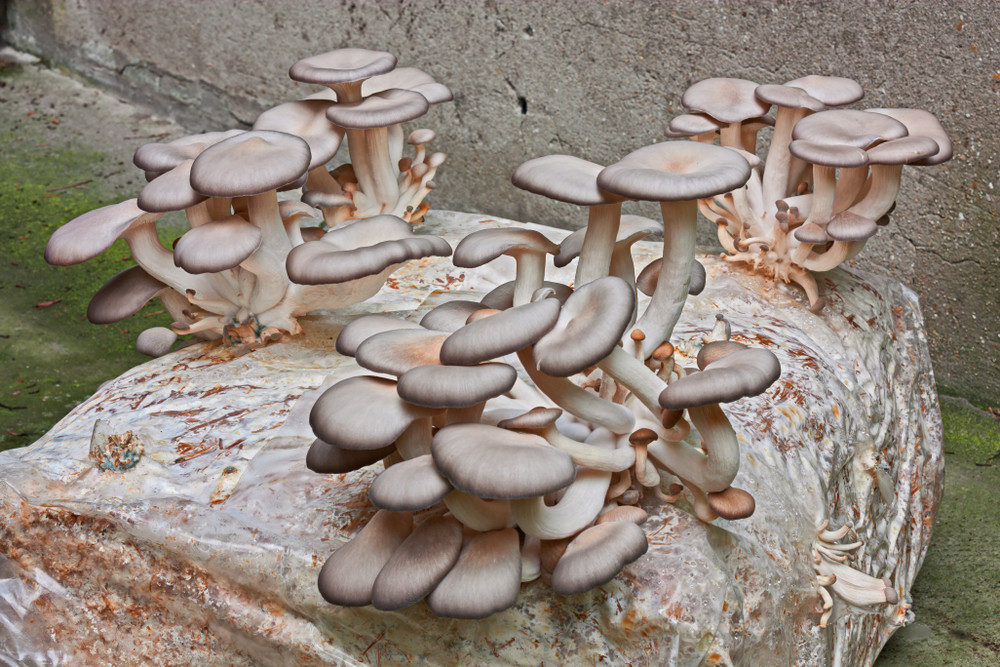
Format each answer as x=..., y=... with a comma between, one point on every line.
x=522, y=434
x=250, y=264
x=830, y=177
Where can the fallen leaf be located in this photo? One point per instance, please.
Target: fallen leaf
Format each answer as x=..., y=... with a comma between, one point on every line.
x=46, y=304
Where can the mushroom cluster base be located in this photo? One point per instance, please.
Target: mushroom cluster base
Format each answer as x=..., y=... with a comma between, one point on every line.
x=207, y=551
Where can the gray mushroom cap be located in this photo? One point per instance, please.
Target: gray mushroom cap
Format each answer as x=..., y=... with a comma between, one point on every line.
x=833, y=91
x=698, y=278
x=828, y=155
x=848, y=127
x=122, y=295
x=922, y=123
x=500, y=334
x=408, y=78
x=564, y=178
x=590, y=325
x=307, y=120
x=631, y=228
x=450, y=315
x=342, y=66
x=906, y=150
x=502, y=296
x=162, y=157
x=725, y=99
x=363, y=328
x=409, y=486
x=811, y=233
x=348, y=576
x=676, y=171
x=788, y=96
x=320, y=199
x=647, y=279
x=455, y=386
x=170, y=191
x=325, y=458
x=714, y=350
x=743, y=373
x=486, y=579
x=217, y=245
x=362, y=412
x=90, y=234
x=847, y=226
x=484, y=246
x=155, y=341
x=419, y=564
x=396, y=352
x=491, y=462
x=597, y=555
x=390, y=107
x=250, y=163
x=534, y=419
x=692, y=124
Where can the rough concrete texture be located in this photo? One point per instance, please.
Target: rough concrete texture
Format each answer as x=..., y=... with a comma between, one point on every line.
x=597, y=79
x=208, y=550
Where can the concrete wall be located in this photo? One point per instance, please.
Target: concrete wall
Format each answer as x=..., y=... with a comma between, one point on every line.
x=597, y=79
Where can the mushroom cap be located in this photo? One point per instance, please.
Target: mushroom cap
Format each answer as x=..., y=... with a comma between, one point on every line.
x=362, y=412
x=170, y=191
x=421, y=136
x=597, y=555
x=217, y=245
x=847, y=226
x=590, y=325
x=811, y=233
x=349, y=574
x=455, y=386
x=631, y=228
x=726, y=100
x=743, y=373
x=419, y=564
x=341, y=66
x=162, y=157
x=692, y=124
x=409, y=486
x=500, y=334
x=90, y=234
x=250, y=163
x=629, y=513
x=323, y=457
x=450, y=315
x=698, y=278
x=291, y=210
x=828, y=155
x=922, y=123
x=390, y=107
x=564, y=178
x=307, y=120
x=833, y=91
x=848, y=127
x=907, y=150
x=533, y=420
x=122, y=295
x=395, y=352
x=495, y=463
x=408, y=78
x=714, y=350
x=732, y=503
x=363, y=328
x=484, y=246
x=502, y=296
x=676, y=171
x=319, y=199
x=155, y=341
x=486, y=579
x=788, y=96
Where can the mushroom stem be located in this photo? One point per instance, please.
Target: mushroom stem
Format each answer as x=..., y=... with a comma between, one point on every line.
x=849, y=187
x=531, y=566
x=589, y=456
x=777, y=167
x=268, y=262
x=882, y=192
x=376, y=174
x=856, y=587
x=529, y=275
x=634, y=374
x=825, y=188
x=731, y=135
x=476, y=513
x=157, y=261
x=598, y=243
x=712, y=468
x=416, y=439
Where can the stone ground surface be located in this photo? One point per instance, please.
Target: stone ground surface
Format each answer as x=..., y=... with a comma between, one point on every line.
x=598, y=78
x=56, y=359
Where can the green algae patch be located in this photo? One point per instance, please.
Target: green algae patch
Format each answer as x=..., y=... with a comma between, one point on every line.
x=52, y=357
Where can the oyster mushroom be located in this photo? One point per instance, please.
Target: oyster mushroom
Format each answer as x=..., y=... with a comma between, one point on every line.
x=527, y=247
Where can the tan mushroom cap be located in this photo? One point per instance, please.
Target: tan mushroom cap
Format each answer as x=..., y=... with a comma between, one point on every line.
x=409, y=486
x=629, y=513
x=485, y=245
x=692, y=124
x=396, y=352
x=833, y=91
x=847, y=226
x=534, y=419
x=500, y=334
x=162, y=157
x=676, y=171
x=631, y=228
x=451, y=315
x=342, y=66
x=597, y=555
x=90, y=234
x=155, y=341
x=122, y=295
x=714, y=350
x=250, y=163
x=349, y=574
x=502, y=296
x=743, y=373
x=170, y=191
x=907, y=150
x=217, y=245
x=788, y=96
x=390, y=107
x=589, y=327
x=494, y=463
x=362, y=412
x=848, y=127
x=325, y=458
x=455, y=386
x=726, y=100
x=419, y=564
x=564, y=178
x=828, y=155
x=732, y=504
x=363, y=328
x=307, y=120
x=486, y=579
x=922, y=123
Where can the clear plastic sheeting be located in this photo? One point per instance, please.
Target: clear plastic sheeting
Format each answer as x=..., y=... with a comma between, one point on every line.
x=207, y=551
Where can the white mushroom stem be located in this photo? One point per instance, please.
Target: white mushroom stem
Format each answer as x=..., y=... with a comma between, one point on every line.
x=634, y=374
x=268, y=262
x=476, y=513
x=825, y=188
x=777, y=167
x=679, y=235
x=731, y=135
x=157, y=261
x=529, y=275
x=713, y=467
x=531, y=564
x=849, y=186
x=882, y=191
x=416, y=439
x=395, y=139
x=469, y=415
x=856, y=587
x=598, y=243
x=375, y=171
x=589, y=456
x=319, y=179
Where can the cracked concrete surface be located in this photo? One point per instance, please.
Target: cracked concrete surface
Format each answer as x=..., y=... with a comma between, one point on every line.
x=598, y=79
